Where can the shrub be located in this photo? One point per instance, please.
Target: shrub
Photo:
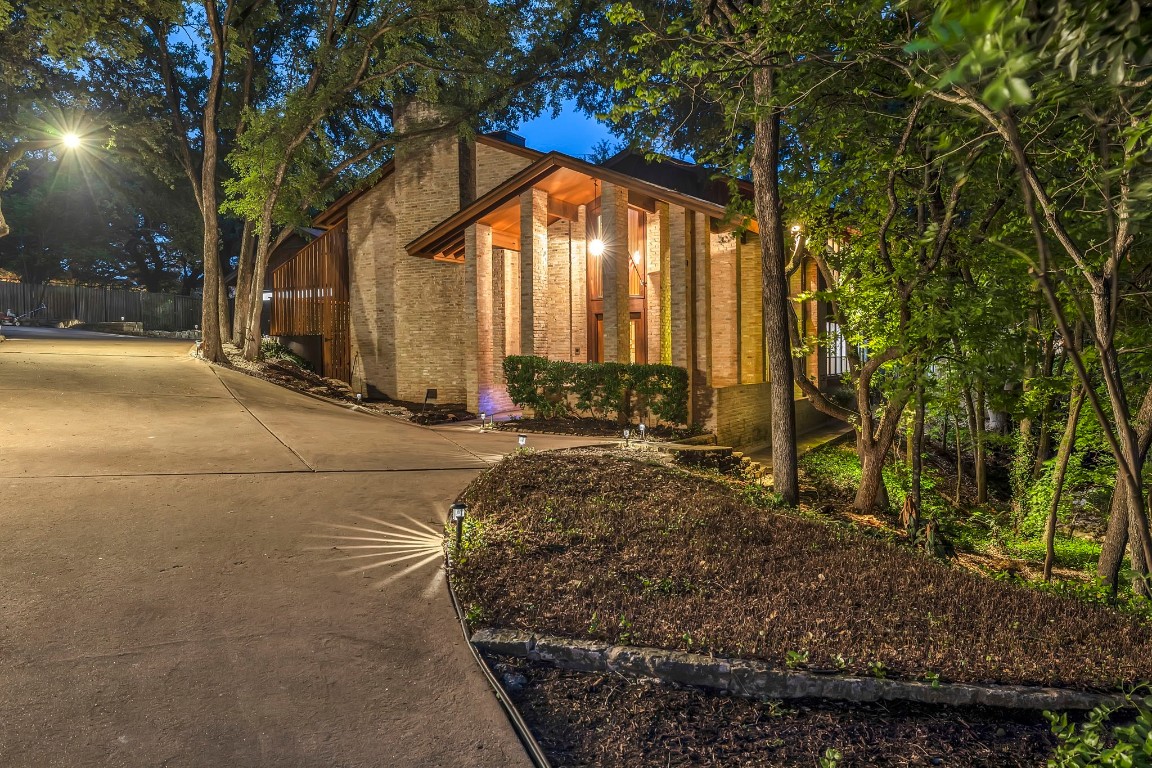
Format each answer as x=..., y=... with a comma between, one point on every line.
x=554, y=388
x=270, y=349
x=1096, y=742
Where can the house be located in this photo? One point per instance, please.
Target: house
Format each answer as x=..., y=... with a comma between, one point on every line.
x=466, y=250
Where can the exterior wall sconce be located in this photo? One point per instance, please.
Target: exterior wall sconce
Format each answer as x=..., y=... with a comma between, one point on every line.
x=596, y=247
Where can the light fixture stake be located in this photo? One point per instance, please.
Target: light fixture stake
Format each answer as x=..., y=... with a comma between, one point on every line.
x=458, y=511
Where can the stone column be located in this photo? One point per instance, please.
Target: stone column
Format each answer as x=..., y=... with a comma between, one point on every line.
x=678, y=277
x=614, y=223
x=723, y=312
x=477, y=311
x=533, y=271
x=579, y=256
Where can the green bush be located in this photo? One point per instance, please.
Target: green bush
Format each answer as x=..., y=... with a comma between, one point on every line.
x=271, y=349
x=1097, y=742
x=556, y=388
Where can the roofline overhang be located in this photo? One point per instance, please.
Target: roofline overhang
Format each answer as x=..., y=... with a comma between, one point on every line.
x=433, y=241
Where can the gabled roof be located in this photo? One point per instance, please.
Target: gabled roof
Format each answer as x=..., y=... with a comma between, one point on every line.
x=447, y=236
x=332, y=215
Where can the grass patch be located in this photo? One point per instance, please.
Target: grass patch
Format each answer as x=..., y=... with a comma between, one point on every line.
x=589, y=544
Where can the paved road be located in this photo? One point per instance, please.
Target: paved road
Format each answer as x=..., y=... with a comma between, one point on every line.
x=202, y=569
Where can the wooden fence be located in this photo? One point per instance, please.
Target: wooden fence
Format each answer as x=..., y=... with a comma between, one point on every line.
x=310, y=298
x=157, y=311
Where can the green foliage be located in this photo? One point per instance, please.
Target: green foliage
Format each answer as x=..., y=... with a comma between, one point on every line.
x=1097, y=742
x=272, y=349
x=549, y=388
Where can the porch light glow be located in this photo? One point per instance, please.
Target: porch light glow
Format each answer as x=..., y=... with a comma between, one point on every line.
x=635, y=257
x=596, y=247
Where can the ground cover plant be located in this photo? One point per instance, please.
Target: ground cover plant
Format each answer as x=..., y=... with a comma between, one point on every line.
x=590, y=544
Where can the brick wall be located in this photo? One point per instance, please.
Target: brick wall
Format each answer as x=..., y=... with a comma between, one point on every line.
x=752, y=363
x=723, y=310
x=494, y=166
x=744, y=415
x=371, y=299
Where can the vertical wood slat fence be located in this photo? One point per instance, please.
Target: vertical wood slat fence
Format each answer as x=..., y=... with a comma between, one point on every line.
x=310, y=298
x=157, y=311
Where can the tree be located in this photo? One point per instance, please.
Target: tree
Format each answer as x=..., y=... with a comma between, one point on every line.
x=40, y=42
x=1064, y=89
x=729, y=73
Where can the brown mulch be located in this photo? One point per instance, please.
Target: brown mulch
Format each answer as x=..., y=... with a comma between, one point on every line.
x=585, y=720
x=589, y=544
x=567, y=425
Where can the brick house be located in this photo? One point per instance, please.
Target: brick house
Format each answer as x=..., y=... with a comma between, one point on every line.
x=464, y=251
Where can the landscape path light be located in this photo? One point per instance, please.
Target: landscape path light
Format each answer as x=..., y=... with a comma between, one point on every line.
x=483, y=421
x=458, y=512
x=627, y=434
x=522, y=439
x=642, y=429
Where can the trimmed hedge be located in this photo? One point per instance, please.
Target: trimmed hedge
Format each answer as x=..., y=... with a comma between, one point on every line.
x=554, y=388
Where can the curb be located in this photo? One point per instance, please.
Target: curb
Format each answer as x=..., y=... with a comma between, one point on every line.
x=757, y=679
x=516, y=720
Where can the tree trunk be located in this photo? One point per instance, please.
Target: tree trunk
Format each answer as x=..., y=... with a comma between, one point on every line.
x=916, y=448
x=210, y=347
x=225, y=325
x=1117, y=536
x=959, y=464
x=765, y=176
x=1062, y=456
x=980, y=463
x=241, y=306
x=256, y=293
x=872, y=494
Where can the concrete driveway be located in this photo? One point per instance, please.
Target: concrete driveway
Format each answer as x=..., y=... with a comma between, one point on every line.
x=202, y=569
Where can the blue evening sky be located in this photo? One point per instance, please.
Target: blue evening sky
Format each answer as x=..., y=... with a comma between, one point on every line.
x=571, y=132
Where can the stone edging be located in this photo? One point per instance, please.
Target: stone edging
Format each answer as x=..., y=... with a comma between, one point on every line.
x=757, y=679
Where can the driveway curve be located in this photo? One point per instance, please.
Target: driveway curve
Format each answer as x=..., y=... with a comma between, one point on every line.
x=203, y=569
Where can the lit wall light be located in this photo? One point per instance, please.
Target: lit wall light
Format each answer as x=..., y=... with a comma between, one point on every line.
x=636, y=257
x=596, y=247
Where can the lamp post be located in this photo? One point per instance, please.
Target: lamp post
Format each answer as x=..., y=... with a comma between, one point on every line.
x=457, y=512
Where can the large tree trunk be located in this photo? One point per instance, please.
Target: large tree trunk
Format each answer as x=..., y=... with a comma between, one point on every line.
x=211, y=347
x=1062, y=456
x=256, y=294
x=241, y=308
x=872, y=495
x=765, y=176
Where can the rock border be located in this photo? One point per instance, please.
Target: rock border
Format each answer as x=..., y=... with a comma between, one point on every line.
x=757, y=679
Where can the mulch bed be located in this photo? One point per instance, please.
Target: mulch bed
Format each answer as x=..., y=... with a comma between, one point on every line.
x=586, y=720
x=586, y=427
x=589, y=544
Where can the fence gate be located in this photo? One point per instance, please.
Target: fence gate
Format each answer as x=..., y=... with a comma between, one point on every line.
x=310, y=298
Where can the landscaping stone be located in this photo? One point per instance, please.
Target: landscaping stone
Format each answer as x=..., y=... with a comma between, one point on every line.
x=756, y=679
